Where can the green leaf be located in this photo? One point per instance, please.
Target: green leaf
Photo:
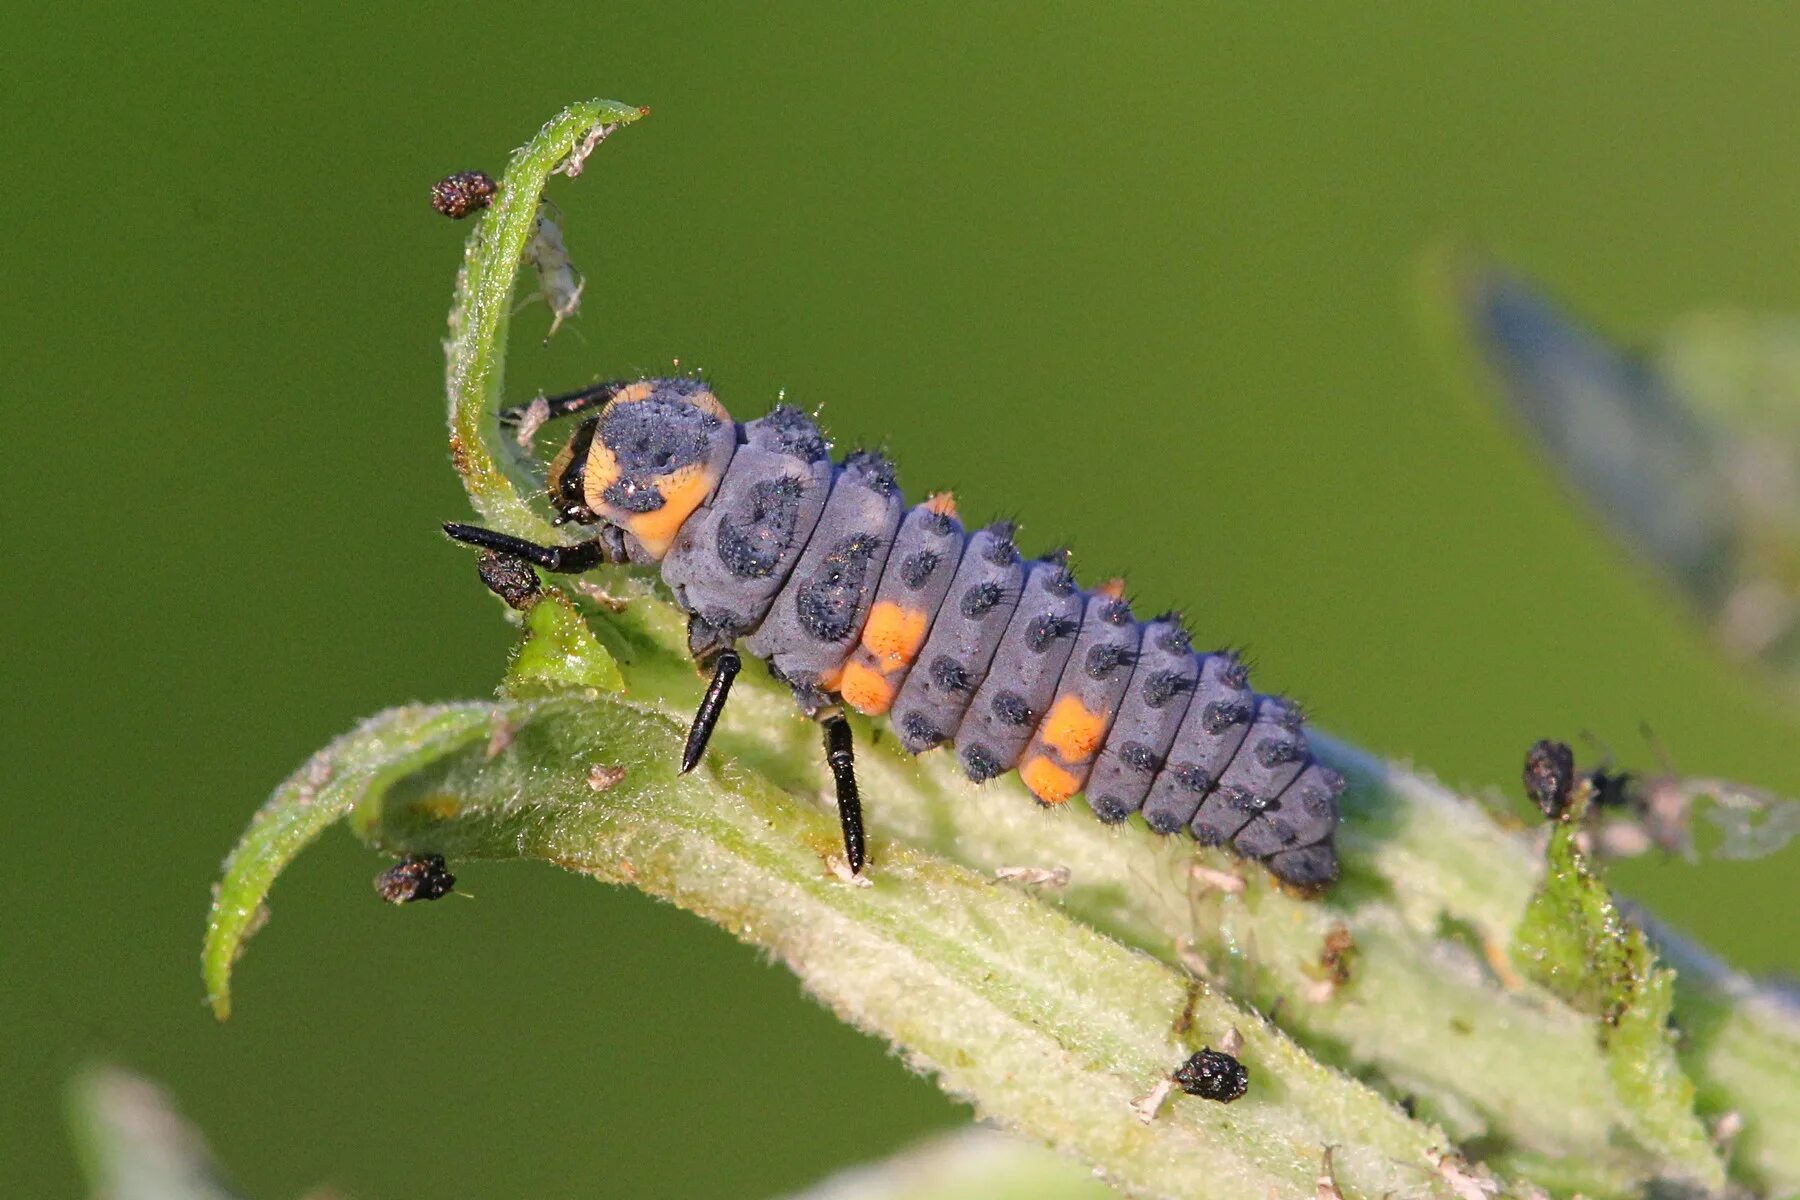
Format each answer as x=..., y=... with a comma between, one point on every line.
x=1688, y=452
x=305, y=805
x=559, y=651
x=1044, y=1024
x=1576, y=942
x=475, y=354
x=135, y=1145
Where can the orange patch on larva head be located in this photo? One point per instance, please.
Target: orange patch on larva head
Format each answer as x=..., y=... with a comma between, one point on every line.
x=894, y=634
x=682, y=492
x=1114, y=587
x=941, y=503
x=1048, y=782
x=1073, y=730
x=864, y=688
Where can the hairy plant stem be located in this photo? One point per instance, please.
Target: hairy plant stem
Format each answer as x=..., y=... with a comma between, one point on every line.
x=1390, y=1019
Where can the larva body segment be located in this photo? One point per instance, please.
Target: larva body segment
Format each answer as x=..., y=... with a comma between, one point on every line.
x=1022, y=677
x=850, y=596
x=732, y=556
x=963, y=638
x=818, y=614
x=921, y=566
x=1148, y=718
x=1069, y=739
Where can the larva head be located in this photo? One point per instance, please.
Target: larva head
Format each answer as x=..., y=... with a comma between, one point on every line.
x=653, y=456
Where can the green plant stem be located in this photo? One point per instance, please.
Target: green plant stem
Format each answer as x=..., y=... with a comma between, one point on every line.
x=1048, y=1009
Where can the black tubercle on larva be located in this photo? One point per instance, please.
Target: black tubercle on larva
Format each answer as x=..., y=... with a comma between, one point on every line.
x=1062, y=582
x=1043, y=631
x=918, y=568
x=1288, y=714
x=656, y=436
x=1272, y=752
x=1208, y=834
x=980, y=765
x=1011, y=708
x=1239, y=800
x=1549, y=776
x=633, y=495
x=1109, y=809
x=796, y=434
x=1174, y=639
x=827, y=603
x=1213, y=1075
x=873, y=469
x=949, y=674
x=1235, y=674
x=1162, y=821
x=1141, y=758
x=1164, y=686
x=751, y=548
x=1221, y=715
x=939, y=523
x=1103, y=658
x=1116, y=612
x=980, y=600
x=921, y=731
x=1193, y=779
x=1001, y=551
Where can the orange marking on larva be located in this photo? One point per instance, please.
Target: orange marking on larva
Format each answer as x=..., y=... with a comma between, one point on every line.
x=1112, y=587
x=1048, y=782
x=894, y=634
x=682, y=491
x=941, y=503
x=864, y=688
x=1073, y=731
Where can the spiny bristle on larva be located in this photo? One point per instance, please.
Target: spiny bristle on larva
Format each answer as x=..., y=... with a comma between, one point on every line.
x=1047, y=629
x=796, y=434
x=1002, y=552
x=1104, y=658
x=981, y=599
x=874, y=469
x=1174, y=637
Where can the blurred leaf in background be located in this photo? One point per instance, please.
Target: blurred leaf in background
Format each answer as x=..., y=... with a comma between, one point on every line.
x=1688, y=448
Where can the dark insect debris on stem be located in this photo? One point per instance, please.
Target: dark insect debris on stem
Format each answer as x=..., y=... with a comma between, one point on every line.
x=1549, y=776
x=458, y=195
x=422, y=878
x=1213, y=1075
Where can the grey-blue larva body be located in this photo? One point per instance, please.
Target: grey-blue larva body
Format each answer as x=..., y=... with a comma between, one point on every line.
x=851, y=596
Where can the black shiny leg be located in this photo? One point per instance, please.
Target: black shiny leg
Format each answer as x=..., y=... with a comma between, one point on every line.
x=725, y=669
x=567, y=404
x=568, y=560
x=840, y=755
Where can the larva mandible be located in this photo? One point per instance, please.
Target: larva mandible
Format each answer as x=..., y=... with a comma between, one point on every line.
x=853, y=598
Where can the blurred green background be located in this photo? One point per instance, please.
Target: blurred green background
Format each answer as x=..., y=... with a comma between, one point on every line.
x=1142, y=276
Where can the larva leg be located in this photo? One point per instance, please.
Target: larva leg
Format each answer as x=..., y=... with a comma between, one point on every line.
x=565, y=405
x=840, y=755
x=567, y=560
x=725, y=669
